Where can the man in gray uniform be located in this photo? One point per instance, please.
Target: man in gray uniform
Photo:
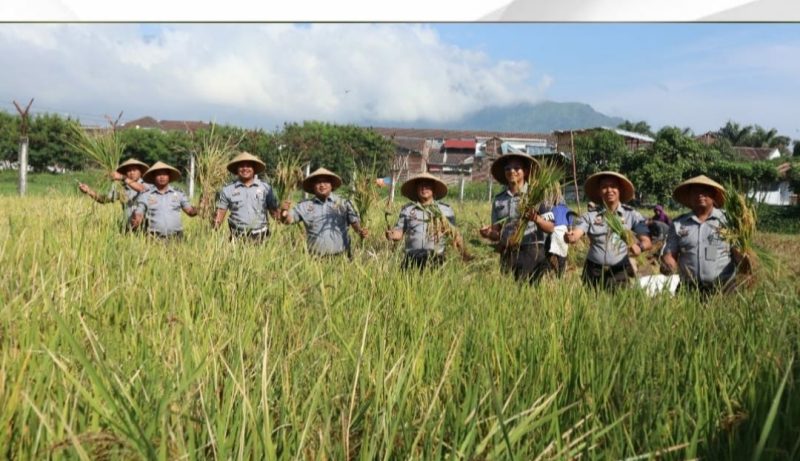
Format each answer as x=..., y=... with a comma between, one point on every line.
x=162, y=204
x=528, y=260
x=607, y=263
x=695, y=248
x=130, y=174
x=325, y=216
x=248, y=198
x=425, y=241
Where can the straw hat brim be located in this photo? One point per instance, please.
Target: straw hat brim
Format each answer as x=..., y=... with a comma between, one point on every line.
x=233, y=165
x=592, y=187
x=409, y=188
x=132, y=163
x=174, y=174
x=498, y=166
x=308, y=183
x=682, y=193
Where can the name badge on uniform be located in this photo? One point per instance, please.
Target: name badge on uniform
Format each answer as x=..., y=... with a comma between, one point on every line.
x=152, y=200
x=259, y=193
x=310, y=207
x=598, y=220
x=413, y=214
x=683, y=232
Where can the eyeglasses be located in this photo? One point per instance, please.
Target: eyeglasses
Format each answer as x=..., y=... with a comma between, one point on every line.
x=512, y=167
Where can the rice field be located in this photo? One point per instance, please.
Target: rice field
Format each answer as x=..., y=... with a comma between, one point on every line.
x=117, y=347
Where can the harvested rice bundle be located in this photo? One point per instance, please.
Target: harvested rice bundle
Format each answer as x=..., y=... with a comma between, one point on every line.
x=741, y=214
x=212, y=154
x=103, y=148
x=439, y=228
x=287, y=176
x=543, y=185
x=363, y=193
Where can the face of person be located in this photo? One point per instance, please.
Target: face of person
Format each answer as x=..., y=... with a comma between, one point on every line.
x=133, y=173
x=701, y=197
x=246, y=171
x=515, y=171
x=609, y=190
x=322, y=187
x=161, y=179
x=425, y=191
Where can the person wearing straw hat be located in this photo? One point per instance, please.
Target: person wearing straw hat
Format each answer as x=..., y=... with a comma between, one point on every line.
x=528, y=260
x=325, y=216
x=248, y=199
x=130, y=174
x=425, y=246
x=695, y=246
x=162, y=204
x=607, y=262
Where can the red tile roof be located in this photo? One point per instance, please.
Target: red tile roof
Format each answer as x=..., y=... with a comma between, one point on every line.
x=459, y=144
x=755, y=153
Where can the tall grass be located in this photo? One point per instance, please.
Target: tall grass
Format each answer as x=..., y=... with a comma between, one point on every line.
x=213, y=151
x=103, y=148
x=117, y=347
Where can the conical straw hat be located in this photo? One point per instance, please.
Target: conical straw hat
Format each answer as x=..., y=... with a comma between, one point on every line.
x=174, y=174
x=132, y=163
x=498, y=166
x=258, y=167
x=592, y=186
x=682, y=192
x=409, y=188
x=308, y=183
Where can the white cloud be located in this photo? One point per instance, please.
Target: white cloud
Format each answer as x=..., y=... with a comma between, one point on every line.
x=248, y=73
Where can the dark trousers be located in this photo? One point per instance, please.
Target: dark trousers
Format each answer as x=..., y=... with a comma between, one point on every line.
x=557, y=263
x=177, y=236
x=607, y=277
x=527, y=262
x=421, y=260
x=707, y=289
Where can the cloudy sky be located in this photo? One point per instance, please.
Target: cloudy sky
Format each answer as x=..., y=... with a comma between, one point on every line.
x=260, y=75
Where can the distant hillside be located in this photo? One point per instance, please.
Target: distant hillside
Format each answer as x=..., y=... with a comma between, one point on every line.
x=542, y=117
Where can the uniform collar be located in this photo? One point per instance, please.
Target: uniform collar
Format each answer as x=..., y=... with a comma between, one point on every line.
x=716, y=214
x=239, y=183
x=522, y=190
x=169, y=189
x=329, y=199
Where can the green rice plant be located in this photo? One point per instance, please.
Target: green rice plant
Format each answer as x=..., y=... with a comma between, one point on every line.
x=439, y=228
x=544, y=184
x=287, y=176
x=740, y=230
x=212, y=153
x=363, y=193
x=103, y=148
x=617, y=228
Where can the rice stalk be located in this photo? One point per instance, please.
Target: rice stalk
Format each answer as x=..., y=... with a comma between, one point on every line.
x=544, y=185
x=287, y=176
x=439, y=227
x=617, y=228
x=740, y=229
x=103, y=148
x=363, y=193
x=212, y=155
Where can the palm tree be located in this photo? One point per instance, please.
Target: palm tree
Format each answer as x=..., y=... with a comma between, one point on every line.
x=638, y=127
x=735, y=134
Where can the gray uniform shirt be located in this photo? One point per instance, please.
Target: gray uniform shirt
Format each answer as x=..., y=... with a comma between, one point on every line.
x=162, y=210
x=129, y=202
x=703, y=255
x=248, y=205
x=504, y=206
x=326, y=223
x=414, y=221
x=605, y=248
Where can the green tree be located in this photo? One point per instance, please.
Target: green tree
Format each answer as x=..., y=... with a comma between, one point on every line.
x=599, y=151
x=638, y=127
x=340, y=148
x=9, y=137
x=796, y=150
x=734, y=133
x=49, y=146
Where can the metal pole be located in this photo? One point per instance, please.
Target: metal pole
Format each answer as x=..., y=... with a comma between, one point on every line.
x=23, y=166
x=191, y=175
x=308, y=172
x=461, y=188
x=574, y=170
x=491, y=183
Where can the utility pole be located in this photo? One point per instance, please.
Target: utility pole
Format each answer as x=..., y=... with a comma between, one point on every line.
x=23, y=148
x=191, y=175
